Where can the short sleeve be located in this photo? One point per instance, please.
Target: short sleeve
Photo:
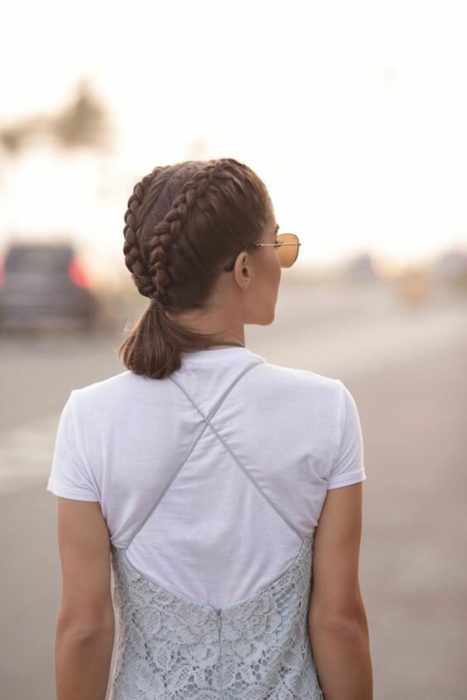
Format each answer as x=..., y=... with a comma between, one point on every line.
x=70, y=474
x=348, y=467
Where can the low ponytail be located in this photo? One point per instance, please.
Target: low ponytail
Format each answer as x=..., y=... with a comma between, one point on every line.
x=183, y=223
x=153, y=345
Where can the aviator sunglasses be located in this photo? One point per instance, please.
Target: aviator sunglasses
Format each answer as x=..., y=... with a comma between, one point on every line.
x=285, y=247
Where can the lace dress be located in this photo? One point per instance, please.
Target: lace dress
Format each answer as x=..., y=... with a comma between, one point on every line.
x=169, y=647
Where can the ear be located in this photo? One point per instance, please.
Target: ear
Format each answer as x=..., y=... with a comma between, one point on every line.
x=243, y=269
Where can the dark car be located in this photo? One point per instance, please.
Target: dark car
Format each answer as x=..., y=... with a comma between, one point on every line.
x=45, y=284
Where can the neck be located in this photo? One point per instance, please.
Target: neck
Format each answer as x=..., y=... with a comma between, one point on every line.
x=240, y=345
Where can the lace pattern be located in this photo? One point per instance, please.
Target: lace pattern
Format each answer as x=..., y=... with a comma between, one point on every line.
x=171, y=647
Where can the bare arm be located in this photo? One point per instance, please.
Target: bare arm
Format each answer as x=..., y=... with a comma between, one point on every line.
x=337, y=619
x=85, y=625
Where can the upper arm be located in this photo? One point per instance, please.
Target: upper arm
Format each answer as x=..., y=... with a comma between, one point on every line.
x=84, y=547
x=73, y=469
x=348, y=463
x=335, y=592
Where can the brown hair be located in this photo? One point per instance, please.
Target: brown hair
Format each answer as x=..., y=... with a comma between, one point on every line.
x=183, y=224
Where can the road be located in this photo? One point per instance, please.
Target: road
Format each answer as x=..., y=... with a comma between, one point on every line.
x=406, y=368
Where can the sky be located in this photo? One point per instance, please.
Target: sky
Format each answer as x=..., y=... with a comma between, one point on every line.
x=353, y=114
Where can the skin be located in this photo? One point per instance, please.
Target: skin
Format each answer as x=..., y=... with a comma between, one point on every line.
x=337, y=620
x=246, y=295
x=85, y=624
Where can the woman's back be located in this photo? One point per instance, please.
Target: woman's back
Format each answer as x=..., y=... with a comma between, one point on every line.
x=211, y=482
x=233, y=498
x=209, y=470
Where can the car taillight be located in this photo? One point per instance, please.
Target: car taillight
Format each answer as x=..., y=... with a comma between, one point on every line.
x=76, y=274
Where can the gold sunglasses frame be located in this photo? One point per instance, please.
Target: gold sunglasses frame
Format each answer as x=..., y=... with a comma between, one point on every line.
x=229, y=268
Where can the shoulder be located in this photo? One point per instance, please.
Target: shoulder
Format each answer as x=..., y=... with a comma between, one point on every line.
x=106, y=389
x=113, y=401
x=300, y=381
x=101, y=402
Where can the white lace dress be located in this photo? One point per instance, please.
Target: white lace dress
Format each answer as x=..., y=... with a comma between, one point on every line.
x=169, y=647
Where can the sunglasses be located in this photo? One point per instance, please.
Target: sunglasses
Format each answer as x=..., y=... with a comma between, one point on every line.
x=285, y=247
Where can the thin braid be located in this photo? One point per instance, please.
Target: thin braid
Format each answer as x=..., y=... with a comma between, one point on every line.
x=166, y=234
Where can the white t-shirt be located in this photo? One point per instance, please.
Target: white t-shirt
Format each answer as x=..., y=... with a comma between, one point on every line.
x=242, y=492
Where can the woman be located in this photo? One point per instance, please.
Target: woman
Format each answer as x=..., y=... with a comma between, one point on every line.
x=223, y=492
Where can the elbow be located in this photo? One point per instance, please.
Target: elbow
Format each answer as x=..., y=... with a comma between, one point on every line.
x=82, y=636
x=339, y=625
x=81, y=631
x=339, y=628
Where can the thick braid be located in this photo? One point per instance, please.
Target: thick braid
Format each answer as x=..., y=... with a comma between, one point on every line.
x=166, y=234
x=134, y=256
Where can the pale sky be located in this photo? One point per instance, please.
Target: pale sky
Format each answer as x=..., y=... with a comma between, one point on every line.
x=353, y=113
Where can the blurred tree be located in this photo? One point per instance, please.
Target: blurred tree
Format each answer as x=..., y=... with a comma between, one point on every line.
x=16, y=137
x=11, y=138
x=82, y=123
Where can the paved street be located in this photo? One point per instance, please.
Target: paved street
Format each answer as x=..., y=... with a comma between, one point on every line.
x=407, y=370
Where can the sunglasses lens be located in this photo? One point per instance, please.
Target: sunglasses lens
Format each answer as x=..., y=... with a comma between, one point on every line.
x=287, y=254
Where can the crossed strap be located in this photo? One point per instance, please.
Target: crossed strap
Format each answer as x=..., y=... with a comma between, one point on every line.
x=207, y=422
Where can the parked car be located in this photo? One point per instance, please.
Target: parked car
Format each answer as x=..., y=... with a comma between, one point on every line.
x=45, y=284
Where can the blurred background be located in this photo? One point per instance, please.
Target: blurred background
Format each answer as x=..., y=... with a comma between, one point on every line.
x=354, y=115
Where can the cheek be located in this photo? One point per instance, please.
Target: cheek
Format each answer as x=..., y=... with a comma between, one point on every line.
x=278, y=279
x=273, y=276
x=270, y=273
x=278, y=265
x=277, y=268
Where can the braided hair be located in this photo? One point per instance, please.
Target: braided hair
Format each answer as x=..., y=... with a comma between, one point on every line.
x=182, y=225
